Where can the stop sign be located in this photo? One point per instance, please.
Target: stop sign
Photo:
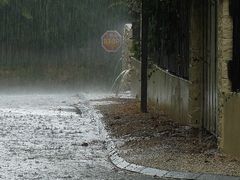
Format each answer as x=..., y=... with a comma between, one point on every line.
x=111, y=41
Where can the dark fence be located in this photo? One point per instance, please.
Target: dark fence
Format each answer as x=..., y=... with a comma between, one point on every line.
x=169, y=36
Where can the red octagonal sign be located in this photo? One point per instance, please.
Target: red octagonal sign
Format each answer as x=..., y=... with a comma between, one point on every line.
x=111, y=41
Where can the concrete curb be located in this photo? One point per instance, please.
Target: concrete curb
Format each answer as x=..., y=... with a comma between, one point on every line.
x=120, y=163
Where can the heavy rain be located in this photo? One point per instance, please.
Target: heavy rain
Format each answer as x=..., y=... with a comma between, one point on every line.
x=58, y=43
x=119, y=89
x=51, y=58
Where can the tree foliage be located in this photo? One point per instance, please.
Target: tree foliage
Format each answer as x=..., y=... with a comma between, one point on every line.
x=55, y=23
x=168, y=33
x=55, y=36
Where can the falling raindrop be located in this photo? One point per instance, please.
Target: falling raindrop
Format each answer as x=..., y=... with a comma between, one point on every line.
x=58, y=43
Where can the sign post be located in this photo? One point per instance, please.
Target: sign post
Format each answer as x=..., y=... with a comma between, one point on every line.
x=111, y=41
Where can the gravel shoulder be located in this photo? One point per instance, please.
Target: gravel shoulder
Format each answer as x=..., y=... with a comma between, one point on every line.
x=154, y=140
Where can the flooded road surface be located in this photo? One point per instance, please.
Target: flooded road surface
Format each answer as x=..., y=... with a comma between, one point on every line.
x=54, y=137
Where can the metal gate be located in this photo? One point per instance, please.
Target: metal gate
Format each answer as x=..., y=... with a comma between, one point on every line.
x=210, y=66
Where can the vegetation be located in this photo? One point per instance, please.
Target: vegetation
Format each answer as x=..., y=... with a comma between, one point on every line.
x=55, y=23
x=168, y=43
x=37, y=35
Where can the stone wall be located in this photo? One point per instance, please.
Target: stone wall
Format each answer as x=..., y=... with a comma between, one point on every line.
x=127, y=46
x=132, y=80
x=136, y=79
x=126, y=59
x=229, y=102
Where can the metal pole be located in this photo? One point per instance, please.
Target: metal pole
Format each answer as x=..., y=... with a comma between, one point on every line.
x=144, y=57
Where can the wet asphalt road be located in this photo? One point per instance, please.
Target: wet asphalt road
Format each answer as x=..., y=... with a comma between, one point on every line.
x=54, y=137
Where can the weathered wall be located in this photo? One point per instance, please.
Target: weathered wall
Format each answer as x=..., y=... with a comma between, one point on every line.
x=126, y=59
x=229, y=103
x=127, y=46
x=231, y=133
x=196, y=65
x=170, y=92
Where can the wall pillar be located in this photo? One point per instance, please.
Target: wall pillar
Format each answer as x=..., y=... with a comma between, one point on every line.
x=196, y=64
x=229, y=102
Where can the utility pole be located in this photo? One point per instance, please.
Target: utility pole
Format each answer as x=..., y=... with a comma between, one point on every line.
x=144, y=56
